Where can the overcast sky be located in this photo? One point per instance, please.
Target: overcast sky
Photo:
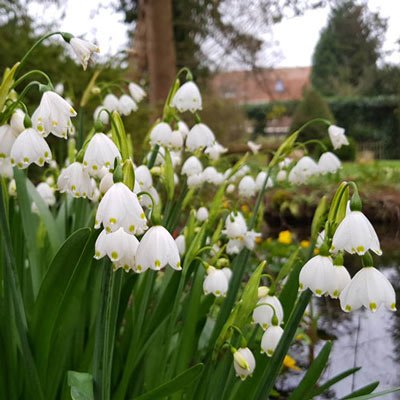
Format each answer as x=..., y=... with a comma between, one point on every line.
x=296, y=37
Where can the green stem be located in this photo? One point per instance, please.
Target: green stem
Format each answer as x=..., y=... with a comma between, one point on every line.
x=33, y=72
x=260, y=197
x=153, y=156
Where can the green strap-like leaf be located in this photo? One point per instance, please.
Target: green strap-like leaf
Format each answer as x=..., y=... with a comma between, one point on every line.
x=81, y=384
x=376, y=395
x=180, y=382
x=365, y=390
x=302, y=392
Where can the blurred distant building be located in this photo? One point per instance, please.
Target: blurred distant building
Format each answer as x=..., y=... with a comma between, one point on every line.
x=262, y=85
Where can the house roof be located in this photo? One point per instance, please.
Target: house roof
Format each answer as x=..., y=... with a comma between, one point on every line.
x=263, y=85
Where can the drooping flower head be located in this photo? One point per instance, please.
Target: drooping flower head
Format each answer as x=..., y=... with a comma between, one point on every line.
x=187, y=98
x=84, y=50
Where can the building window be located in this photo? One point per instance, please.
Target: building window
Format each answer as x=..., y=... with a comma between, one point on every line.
x=279, y=86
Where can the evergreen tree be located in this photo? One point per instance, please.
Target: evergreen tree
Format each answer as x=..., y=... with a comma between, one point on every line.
x=345, y=58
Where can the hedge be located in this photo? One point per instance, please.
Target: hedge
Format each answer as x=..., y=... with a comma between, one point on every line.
x=373, y=119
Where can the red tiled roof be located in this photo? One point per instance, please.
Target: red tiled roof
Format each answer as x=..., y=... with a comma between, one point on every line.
x=263, y=85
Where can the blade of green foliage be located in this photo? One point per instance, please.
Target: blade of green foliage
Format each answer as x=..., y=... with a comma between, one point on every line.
x=11, y=280
x=30, y=227
x=365, y=390
x=180, y=382
x=321, y=389
x=319, y=218
x=81, y=384
x=7, y=82
x=378, y=394
x=52, y=295
x=302, y=391
x=169, y=175
x=53, y=230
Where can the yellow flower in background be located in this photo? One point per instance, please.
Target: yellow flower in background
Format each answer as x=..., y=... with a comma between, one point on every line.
x=225, y=204
x=290, y=363
x=259, y=239
x=245, y=208
x=316, y=251
x=285, y=237
x=305, y=243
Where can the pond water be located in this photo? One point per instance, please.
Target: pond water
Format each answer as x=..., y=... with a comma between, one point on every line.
x=360, y=339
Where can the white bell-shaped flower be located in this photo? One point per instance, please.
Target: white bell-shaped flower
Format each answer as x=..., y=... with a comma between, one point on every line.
x=175, y=141
x=118, y=208
x=215, y=150
x=126, y=105
x=161, y=134
x=250, y=239
x=194, y=181
x=183, y=128
x=106, y=182
x=76, y=181
x=146, y=201
x=215, y=282
x=46, y=193
x=17, y=121
x=119, y=246
x=100, y=152
x=270, y=340
x=84, y=50
x=53, y=116
x=143, y=176
x=202, y=214
x=111, y=102
x=228, y=273
x=137, y=93
x=6, y=169
x=187, y=98
x=157, y=249
x=281, y=176
x=192, y=166
x=355, y=234
x=238, y=174
x=247, y=187
x=254, y=147
x=100, y=113
x=244, y=362
x=230, y=188
x=211, y=175
x=368, y=288
x=317, y=274
x=199, y=137
x=59, y=88
x=181, y=244
x=234, y=246
x=265, y=309
x=30, y=147
x=341, y=280
x=337, y=137
x=176, y=158
x=328, y=163
x=260, y=181
x=7, y=139
x=303, y=170
x=235, y=226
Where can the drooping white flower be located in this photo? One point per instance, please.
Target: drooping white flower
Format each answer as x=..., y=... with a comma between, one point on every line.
x=368, y=288
x=119, y=246
x=12, y=188
x=143, y=176
x=265, y=309
x=161, y=134
x=106, y=182
x=192, y=166
x=120, y=207
x=181, y=244
x=238, y=174
x=199, y=137
x=183, y=128
x=84, y=50
x=320, y=239
x=228, y=273
x=46, y=193
x=146, y=201
x=100, y=113
x=175, y=141
x=270, y=340
x=303, y=170
x=76, y=181
x=211, y=175
x=194, y=180
x=250, y=239
x=100, y=152
x=7, y=139
x=260, y=179
x=53, y=116
x=235, y=226
x=328, y=163
x=215, y=282
x=281, y=176
x=230, y=188
x=340, y=281
x=187, y=98
x=355, y=234
x=254, y=147
x=176, y=158
x=111, y=102
x=215, y=150
x=6, y=168
x=244, y=362
x=59, y=88
x=247, y=187
x=30, y=147
x=317, y=274
x=337, y=136
x=137, y=93
x=17, y=121
x=157, y=249
x=202, y=214
x=126, y=105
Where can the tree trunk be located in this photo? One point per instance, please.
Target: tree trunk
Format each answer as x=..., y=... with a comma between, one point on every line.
x=160, y=48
